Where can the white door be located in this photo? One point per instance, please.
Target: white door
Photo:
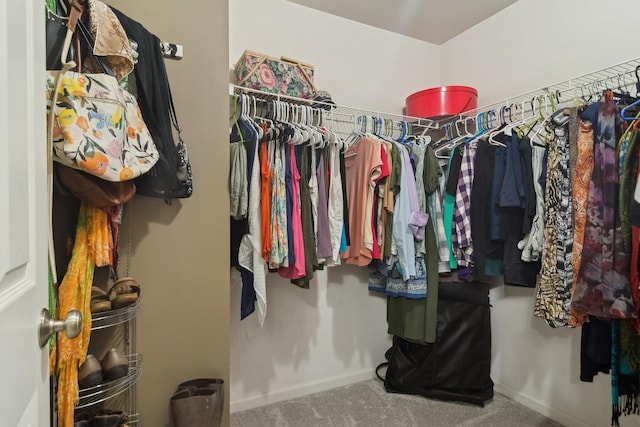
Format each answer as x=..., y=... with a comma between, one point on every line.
x=24, y=376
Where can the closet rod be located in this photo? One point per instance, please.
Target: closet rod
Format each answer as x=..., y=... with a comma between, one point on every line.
x=622, y=75
x=341, y=113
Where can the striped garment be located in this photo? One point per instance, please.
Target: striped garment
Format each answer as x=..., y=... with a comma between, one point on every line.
x=462, y=209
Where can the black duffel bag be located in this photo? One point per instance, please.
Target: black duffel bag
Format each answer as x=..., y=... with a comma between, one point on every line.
x=457, y=366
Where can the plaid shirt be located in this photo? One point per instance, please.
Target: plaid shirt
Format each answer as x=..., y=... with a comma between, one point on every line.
x=435, y=210
x=462, y=209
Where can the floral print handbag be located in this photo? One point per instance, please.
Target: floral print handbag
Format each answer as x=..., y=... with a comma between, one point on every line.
x=95, y=125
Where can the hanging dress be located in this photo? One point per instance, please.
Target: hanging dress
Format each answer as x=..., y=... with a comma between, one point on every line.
x=581, y=183
x=279, y=238
x=553, y=295
x=603, y=287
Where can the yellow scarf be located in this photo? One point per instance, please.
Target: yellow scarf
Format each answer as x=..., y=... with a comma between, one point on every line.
x=91, y=248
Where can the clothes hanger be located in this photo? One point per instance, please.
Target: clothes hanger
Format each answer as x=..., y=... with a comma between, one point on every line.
x=528, y=127
x=257, y=116
x=287, y=134
x=321, y=137
x=449, y=145
x=236, y=115
x=303, y=120
x=492, y=135
x=623, y=112
x=249, y=101
x=356, y=134
x=292, y=115
x=552, y=115
x=448, y=134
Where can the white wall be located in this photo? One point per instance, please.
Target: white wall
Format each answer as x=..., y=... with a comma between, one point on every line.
x=529, y=45
x=335, y=332
x=535, y=43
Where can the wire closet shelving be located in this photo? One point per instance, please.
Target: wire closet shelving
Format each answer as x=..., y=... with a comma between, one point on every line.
x=622, y=77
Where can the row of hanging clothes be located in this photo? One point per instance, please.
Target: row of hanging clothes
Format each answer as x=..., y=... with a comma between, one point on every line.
x=555, y=205
x=304, y=196
x=543, y=194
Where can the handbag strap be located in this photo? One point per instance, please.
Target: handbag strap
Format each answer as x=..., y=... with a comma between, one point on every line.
x=172, y=114
x=380, y=366
x=74, y=22
x=74, y=15
x=89, y=40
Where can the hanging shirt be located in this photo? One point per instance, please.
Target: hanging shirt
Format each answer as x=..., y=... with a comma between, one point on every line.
x=368, y=218
x=451, y=189
x=313, y=194
x=311, y=260
x=297, y=268
x=250, y=254
x=362, y=168
x=244, y=131
x=323, y=236
x=238, y=193
x=402, y=233
x=436, y=200
x=378, y=195
x=419, y=151
x=462, y=220
x=390, y=199
x=265, y=200
x=335, y=203
x=288, y=182
x=386, y=199
x=484, y=247
x=531, y=244
x=512, y=207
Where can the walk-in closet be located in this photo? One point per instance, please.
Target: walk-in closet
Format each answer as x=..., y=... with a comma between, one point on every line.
x=328, y=335
x=216, y=304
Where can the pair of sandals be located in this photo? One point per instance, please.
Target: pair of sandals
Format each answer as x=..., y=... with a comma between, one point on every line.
x=102, y=418
x=123, y=293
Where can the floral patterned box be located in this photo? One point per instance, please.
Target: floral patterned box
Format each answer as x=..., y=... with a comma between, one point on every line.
x=282, y=76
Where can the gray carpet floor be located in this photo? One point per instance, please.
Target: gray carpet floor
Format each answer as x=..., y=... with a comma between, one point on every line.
x=367, y=404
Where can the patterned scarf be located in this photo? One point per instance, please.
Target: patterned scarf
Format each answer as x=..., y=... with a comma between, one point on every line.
x=603, y=287
x=92, y=246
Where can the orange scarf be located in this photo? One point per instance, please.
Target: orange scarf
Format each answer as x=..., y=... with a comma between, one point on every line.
x=92, y=248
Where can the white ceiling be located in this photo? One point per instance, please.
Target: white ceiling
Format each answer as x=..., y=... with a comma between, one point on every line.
x=434, y=21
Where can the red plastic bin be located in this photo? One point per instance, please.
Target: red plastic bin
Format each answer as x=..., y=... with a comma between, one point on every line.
x=441, y=101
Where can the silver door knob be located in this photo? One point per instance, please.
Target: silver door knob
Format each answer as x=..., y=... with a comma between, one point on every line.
x=71, y=325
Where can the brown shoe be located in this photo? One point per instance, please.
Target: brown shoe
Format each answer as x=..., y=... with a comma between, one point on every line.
x=99, y=300
x=90, y=373
x=115, y=364
x=124, y=292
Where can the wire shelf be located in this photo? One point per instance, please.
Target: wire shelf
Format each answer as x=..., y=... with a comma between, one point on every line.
x=620, y=76
x=615, y=77
x=107, y=390
x=342, y=117
x=134, y=420
x=111, y=318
